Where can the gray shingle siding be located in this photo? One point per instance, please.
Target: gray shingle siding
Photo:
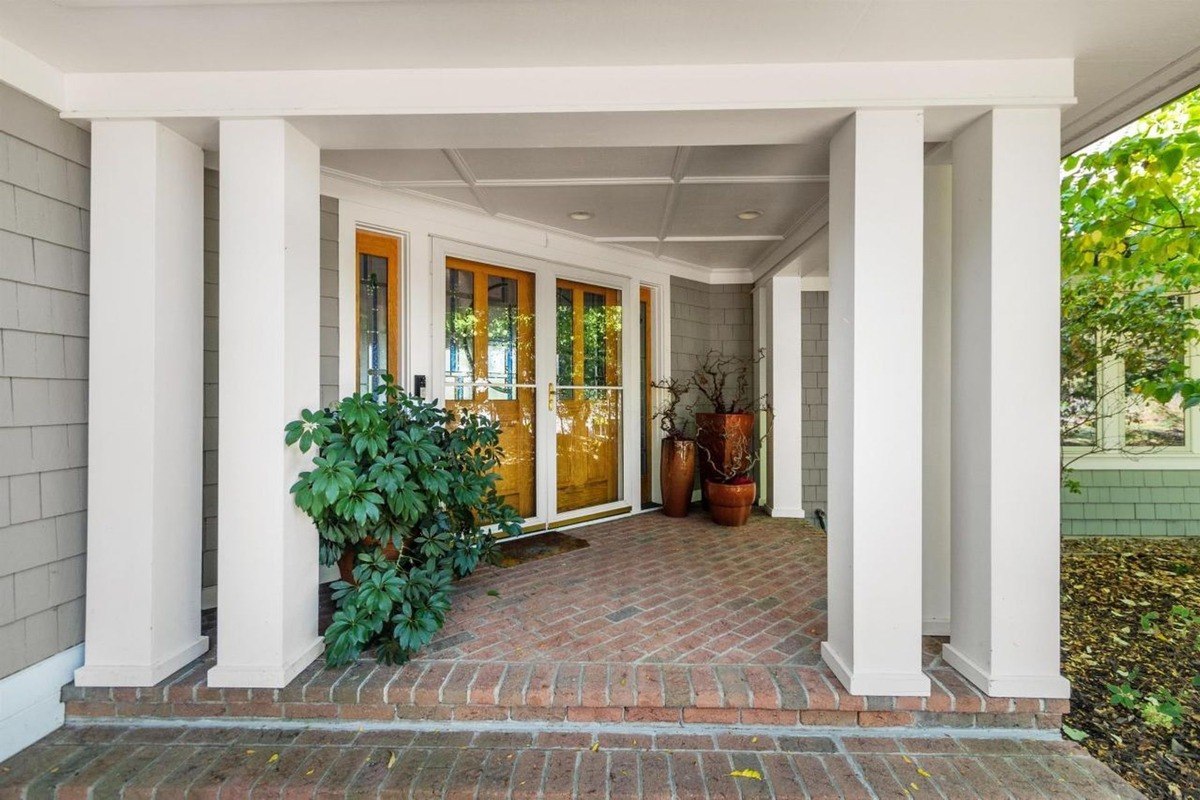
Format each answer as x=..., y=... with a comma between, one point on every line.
x=1134, y=502
x=44, y=197
x=706, y=317
x=814, y=379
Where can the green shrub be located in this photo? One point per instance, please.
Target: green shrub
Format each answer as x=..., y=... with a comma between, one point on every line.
x=394, y=471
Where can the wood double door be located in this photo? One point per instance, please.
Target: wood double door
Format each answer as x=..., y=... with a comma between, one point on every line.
x=542, y=354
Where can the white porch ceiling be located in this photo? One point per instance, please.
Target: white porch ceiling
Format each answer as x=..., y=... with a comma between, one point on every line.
x=679, y=203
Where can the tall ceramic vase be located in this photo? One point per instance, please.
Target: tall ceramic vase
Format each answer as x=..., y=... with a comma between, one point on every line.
x=724, y=443
x=677, y=475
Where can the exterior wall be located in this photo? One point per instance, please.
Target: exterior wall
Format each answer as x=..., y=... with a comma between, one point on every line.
x=815, y=382
x=709, y=317
x=329, y=351
x=1134, y=502
x=44, y=199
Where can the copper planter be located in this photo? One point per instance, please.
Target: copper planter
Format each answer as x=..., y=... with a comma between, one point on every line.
x=724, y=441
x=677, y=475
x=730, y=504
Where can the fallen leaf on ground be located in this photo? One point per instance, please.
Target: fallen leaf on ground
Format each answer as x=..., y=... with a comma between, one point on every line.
x=753, y=774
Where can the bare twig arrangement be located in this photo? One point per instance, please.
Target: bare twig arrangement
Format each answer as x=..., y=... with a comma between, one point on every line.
x=670, y=417
x=724, y=382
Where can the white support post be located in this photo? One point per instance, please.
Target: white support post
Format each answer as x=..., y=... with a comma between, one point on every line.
x=875, y=265
x=782, y=300
x=269, y=371
x=1005, y=373
x=935, y=402
x=145, y=405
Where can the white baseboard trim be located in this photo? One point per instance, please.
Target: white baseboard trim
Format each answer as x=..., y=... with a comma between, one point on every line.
x=30, y=700
x=901, y=684
x=1041, y=686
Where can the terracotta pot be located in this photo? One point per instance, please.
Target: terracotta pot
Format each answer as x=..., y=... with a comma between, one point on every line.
x=724, y=441
x=677, y=475
x=346, y=562
x=730, y=504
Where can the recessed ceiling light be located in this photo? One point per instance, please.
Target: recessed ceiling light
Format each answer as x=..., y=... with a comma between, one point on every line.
x=581, y=215
x=749, y=214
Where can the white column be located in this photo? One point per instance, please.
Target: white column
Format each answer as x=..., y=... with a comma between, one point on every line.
x=269, y=371
x=1005, y=596
x=875, y=265
x=785, y=450
x=935, y=551
x=145, y=401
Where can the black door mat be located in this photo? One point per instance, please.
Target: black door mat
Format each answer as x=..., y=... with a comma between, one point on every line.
x=533, y=548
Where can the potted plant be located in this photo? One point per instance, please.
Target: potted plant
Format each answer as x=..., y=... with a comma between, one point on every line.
x=731, y=490
x=677, y=465
x=403, y=496
x=724, y=433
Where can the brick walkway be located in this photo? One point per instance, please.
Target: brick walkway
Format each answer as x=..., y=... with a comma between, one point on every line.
x=210, y=762
x=658, y=620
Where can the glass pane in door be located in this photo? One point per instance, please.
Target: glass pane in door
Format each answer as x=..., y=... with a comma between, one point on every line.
x=378, y=311
x=589, y=395
x=489, y=311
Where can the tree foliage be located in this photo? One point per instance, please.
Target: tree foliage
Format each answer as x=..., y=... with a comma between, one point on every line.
x=409, y=489
x=1131, y=259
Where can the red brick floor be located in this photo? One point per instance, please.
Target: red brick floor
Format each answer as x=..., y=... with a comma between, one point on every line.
x=208, y=762
x=657, y=620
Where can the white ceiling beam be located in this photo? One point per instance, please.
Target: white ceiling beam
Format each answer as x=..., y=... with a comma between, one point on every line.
x=664, y=180
x=671, y=203
x=468, y=177
x=670, y=239
x=26, y=72
x=525, y=90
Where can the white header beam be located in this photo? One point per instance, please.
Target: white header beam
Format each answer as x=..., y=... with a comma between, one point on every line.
x=300, y=93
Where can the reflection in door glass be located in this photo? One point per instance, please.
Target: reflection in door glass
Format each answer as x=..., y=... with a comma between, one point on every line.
x=372, y=320
x=502, y=337
x=460, y=334
x=589, y=408
x=489, y=311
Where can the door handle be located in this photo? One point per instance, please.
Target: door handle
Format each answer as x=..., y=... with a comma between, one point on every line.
x=550, y=398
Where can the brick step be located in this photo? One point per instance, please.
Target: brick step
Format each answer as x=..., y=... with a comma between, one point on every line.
x=466, y=761
x=576, y=692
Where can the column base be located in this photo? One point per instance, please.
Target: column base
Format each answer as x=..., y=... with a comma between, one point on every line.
x=935, y=626
x=790, y=513
x=224, y=676
x=139, y=674
x=898, y=684
x=1040, y=686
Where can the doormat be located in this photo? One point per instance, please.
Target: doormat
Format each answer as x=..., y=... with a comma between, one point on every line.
x=532, y=548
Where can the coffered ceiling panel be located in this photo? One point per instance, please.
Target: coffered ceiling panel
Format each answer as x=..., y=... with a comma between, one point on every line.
x=767, y=159
x=392, y=165
x=616, y=210
x=712, y=209
x=570, y=162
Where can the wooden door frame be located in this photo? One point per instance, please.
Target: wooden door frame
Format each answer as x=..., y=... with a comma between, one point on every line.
x=546, y=274
x=368, y=242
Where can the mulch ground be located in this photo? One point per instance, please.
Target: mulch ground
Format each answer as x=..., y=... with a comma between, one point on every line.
x=1111, y=589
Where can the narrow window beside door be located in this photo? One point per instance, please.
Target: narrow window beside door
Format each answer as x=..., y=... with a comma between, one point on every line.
x=378, y=260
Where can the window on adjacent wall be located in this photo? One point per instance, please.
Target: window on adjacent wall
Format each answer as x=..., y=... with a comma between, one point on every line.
x=378, y=274
x=1102, y=412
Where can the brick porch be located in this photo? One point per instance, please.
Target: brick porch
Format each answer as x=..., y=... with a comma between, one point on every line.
x=657, y=621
